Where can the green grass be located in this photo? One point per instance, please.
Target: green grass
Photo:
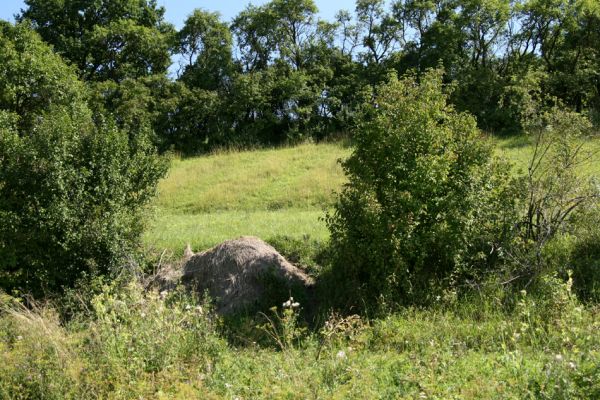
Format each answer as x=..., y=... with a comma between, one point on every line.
x=265, y=193
x=137, y=345
x=519, y=149
x=203, y=230
x=131, y=343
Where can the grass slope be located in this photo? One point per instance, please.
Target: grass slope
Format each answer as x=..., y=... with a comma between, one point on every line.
x=265, y=193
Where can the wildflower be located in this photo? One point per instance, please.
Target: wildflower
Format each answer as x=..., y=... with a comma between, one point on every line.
x=163, y=294
x=19, y=337
x=572, y=365
x=143, y=315
x=341, y=355
x=199, y=309
x=291, y=303
x=558, y=357
x=188, y=307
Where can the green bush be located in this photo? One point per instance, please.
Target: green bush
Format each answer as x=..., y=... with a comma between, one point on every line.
x=425, y=203
x=72, y=191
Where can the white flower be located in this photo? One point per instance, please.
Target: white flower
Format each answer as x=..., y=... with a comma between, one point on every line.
x=558, y=357
x=291, y=304
x=188, y=307
x=572, y=365
x=164, y=294
x=341, y=355
x=19, y=337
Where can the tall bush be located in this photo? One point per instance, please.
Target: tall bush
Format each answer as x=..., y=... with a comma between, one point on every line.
x=72, y=191
x=425, y=203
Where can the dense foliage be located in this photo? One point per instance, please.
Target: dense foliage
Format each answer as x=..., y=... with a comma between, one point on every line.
x=278, y=73
x=425, y=202
x=72, y=190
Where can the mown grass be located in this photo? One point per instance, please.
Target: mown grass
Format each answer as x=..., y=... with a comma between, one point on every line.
x=265, y=193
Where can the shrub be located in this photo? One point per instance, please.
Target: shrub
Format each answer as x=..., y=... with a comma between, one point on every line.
x=425, y=203
x=72, y=192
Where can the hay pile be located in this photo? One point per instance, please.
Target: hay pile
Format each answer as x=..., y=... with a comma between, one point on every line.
x=236, y=274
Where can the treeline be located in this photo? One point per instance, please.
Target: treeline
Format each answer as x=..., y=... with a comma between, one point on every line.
x=279, y=73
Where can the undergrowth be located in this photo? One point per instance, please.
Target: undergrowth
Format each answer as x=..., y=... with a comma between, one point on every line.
x=144, y=344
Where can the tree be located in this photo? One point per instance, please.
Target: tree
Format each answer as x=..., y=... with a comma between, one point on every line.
x=72, y=190
x=560, y=38
x=382, y=33
x=105, y=39
x=206, y=44
x=31, y=74
x=288, y=58
x=425, y=203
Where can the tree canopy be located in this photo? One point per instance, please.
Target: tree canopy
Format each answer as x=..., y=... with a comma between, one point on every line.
x=280, y=73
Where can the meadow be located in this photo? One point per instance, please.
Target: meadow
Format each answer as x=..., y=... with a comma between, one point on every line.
x=136, y=345
x=128, y=343
x=440, y=275
x=266, y=193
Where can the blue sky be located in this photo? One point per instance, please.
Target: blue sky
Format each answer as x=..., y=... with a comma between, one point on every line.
x=178, y=10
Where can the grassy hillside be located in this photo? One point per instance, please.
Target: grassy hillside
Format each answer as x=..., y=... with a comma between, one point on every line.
x=265, y=193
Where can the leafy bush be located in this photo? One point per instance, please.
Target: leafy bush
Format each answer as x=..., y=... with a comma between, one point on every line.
x=425, y=203
x=72, y=192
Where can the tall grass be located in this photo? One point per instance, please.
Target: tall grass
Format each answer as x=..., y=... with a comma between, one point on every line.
x=152, y=346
